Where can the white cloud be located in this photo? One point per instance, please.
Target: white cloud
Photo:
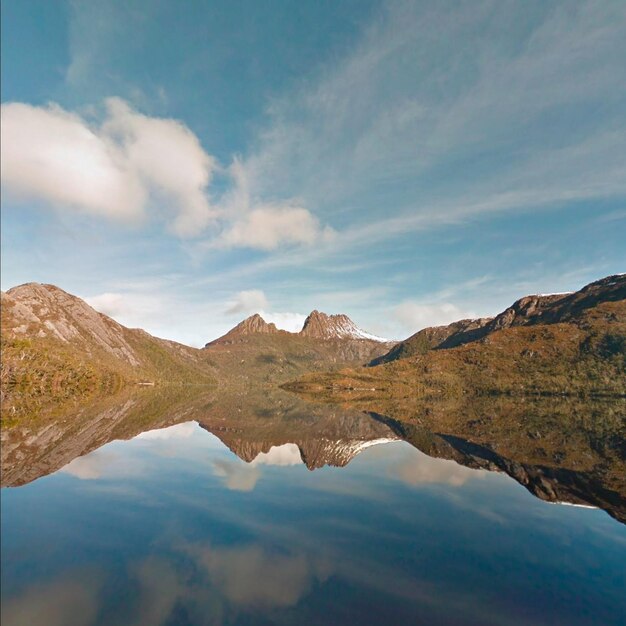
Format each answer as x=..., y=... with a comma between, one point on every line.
x=291, y=322
x=415, y=316
x=261, y=225
x=111, y=304
x=110, y=170
x=246, y=302
x=287, y=454
x=162, y=309
x=67, y=599
x=169, y=157
x=178, y=431
x=269, y=227
x=103, y=463
x=413, y=133
x=53, y=155
x=420, y=469
x=131, y=162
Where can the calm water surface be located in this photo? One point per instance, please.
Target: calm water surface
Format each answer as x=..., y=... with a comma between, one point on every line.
x=173, y=528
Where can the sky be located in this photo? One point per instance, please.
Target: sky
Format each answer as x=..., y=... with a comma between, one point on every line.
x=184, y=165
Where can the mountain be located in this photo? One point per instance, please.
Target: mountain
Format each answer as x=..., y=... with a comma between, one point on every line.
x=252, y=325
x=322, y=326
x=559, y=344
x=317, y=326
x=560, y=451
x=32, y=448
x=527, y=311
x=54, y=345
x=255, y=352
x=251, y=424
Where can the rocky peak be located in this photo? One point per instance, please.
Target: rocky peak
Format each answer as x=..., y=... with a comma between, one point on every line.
x=252, y=325
x=323, y=326
x=255, y=324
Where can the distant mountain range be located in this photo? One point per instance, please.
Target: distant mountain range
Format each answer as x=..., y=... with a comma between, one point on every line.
x=527, y=311
x=55, y=346
x=317, y=326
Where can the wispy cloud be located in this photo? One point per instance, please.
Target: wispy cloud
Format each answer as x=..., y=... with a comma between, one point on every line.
x=405, y=133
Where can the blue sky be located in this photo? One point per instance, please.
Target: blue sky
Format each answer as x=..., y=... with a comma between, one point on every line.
x=183, y=165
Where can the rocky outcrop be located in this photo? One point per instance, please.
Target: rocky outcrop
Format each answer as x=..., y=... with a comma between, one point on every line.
x=315, y=451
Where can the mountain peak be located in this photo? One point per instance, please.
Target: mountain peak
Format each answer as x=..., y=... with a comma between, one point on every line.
x=340, y=326
x=255, y=324
x=252, y=325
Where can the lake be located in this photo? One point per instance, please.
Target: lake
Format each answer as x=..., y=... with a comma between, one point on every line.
x=293, y=517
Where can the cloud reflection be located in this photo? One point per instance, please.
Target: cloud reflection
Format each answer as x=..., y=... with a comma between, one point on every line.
x=420, y=469
x=178, y=431
x=239, y=476
x=287, y=454
x=206, y=582
x=70, y=600
x=103, y=463
x=256, y=578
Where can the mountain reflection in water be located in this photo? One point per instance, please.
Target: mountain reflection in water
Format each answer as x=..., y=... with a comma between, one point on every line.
x=258, y=509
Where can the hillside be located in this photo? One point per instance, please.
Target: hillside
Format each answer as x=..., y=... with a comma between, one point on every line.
x=571, y=344
x=527, y=311
x=55, y=346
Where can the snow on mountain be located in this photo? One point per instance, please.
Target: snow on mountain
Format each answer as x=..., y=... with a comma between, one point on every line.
x=340, y=326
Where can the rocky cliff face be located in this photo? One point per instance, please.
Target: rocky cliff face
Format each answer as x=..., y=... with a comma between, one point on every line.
x=315, y=452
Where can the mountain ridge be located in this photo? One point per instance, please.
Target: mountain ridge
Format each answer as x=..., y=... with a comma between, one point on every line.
x=557, y=345
x=317, y=325
x=529, y=310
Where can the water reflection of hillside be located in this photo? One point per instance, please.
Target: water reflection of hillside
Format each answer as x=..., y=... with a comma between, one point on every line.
x=560, y=451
